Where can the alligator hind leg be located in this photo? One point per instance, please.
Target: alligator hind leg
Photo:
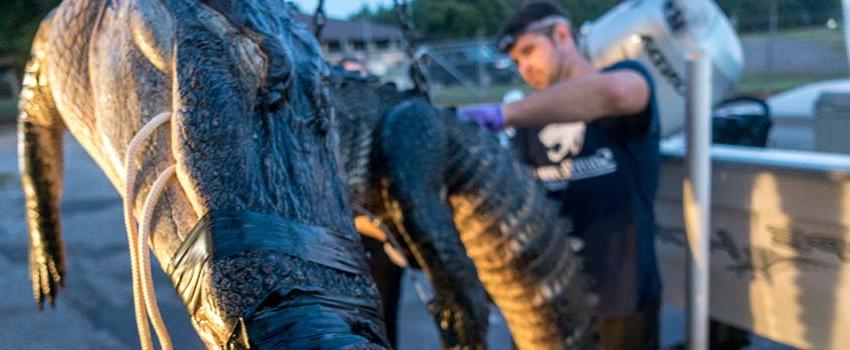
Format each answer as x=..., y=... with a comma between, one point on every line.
x=40, y=148
x=413, y=144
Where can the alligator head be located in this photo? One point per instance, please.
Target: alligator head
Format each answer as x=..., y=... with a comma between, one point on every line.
x=258, y=159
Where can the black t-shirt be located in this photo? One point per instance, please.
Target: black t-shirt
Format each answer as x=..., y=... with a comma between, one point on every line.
x=605, y=173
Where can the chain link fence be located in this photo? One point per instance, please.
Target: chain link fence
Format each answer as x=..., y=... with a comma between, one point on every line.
x=468, y=71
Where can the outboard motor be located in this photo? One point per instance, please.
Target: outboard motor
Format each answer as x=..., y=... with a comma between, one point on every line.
x=660, y=34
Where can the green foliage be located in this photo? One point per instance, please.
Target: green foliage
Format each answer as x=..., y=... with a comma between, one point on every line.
x=585, y=10
x=383, y=14
x=447, y=18
x=754, y=15
x=18, y=25
x=441, y=19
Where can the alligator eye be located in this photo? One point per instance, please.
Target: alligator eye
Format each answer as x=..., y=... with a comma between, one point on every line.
x=281, y=73
x=273, y=100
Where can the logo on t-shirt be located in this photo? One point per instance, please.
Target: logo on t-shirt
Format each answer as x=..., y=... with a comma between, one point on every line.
x=563, y=143
x=562, y=140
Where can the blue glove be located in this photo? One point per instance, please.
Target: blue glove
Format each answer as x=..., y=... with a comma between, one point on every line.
x=487, y=115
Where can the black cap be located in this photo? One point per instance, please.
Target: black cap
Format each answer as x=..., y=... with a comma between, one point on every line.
x=533, y=16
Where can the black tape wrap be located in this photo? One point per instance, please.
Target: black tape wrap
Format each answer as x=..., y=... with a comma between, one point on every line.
x=257, y=281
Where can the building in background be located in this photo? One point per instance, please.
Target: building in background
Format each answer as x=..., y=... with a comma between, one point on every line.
x=464, y=68
x=379, y=46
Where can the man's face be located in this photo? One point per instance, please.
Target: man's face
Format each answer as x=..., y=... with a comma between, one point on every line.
x=538, y=59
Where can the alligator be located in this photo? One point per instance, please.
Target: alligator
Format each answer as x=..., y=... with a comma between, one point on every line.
x=255, y=232
x=466, y=209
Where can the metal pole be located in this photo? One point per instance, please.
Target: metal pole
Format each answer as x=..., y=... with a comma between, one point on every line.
x=845, y=6
x=697, y=197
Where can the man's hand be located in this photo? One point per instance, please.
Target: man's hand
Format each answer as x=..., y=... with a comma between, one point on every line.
x=487, y=115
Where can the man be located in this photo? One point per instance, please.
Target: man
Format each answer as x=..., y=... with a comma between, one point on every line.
x=592, y=136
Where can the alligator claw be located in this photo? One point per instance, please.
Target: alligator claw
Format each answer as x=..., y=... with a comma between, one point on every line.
x=47, y=273
x=462, y=324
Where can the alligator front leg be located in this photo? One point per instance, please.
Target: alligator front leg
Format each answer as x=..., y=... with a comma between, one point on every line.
x=413, y=144
x=40, y=159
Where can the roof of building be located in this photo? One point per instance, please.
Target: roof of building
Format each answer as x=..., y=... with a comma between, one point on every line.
x=341, y=30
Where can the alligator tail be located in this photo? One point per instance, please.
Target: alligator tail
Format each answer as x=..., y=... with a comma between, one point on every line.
x=518, y=240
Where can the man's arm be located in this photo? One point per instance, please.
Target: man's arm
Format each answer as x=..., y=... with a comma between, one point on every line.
x=617, y=93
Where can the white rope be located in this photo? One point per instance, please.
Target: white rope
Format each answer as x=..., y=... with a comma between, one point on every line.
x=143, y=290
x=148, y=294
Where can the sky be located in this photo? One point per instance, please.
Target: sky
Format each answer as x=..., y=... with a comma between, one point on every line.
x=340, y=8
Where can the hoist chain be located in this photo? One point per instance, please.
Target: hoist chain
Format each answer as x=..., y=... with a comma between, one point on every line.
x=411, y=38
x=319, y=20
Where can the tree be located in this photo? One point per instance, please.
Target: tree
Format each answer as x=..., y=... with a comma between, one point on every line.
x=585, y=10
x=19, y=25
x=447, y=18
x=385, y=15
x=753, y=15
x=442, y=19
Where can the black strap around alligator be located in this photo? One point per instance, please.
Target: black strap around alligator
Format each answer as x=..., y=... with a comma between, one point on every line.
x=228, y=233
x=316, y=319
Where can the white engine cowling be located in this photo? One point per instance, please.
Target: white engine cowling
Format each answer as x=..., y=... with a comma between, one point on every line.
x=660, y=34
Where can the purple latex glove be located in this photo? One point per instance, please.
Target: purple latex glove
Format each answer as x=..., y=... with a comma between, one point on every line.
x=487, y=115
